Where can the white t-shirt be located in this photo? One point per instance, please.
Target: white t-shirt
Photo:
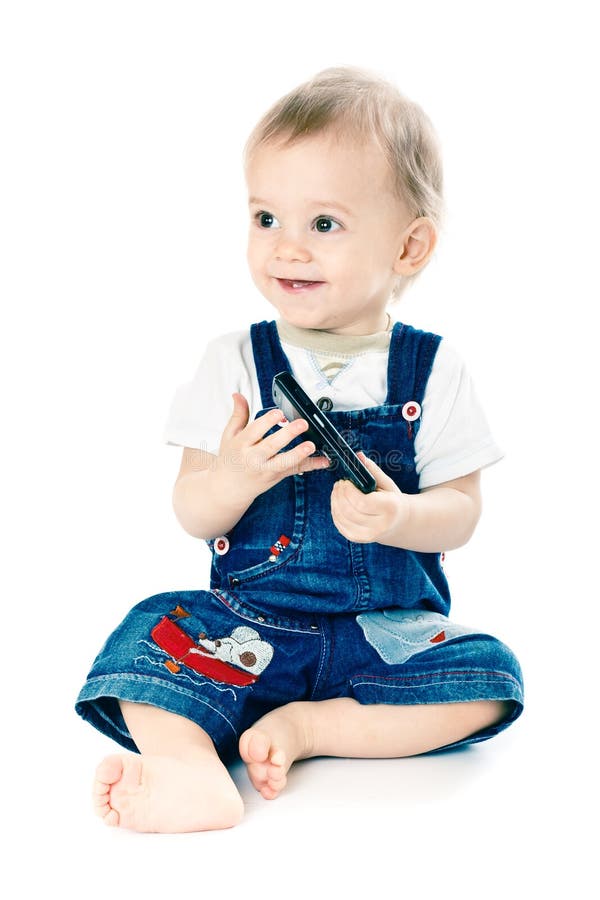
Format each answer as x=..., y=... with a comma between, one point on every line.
x=453, y=439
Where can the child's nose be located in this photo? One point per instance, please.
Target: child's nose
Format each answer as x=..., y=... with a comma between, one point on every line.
x=291, y=248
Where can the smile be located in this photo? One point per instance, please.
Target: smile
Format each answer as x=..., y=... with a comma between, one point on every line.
x=296, y=286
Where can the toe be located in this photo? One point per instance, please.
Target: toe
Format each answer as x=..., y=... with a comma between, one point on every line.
x=100, y=793
x=243, y=745
x=131, y=774
x=102, y=809
x=101, y=803
x=268, y=792
x=111, y=818
x=257, y=775
x=275, y=774
x=258, y=771
x=277, y=784
x=117, y=779
x=255, y=746
x=108, y=772
x=278, y=758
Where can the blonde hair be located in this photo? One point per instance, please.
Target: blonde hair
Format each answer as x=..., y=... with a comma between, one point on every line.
x=347, y=100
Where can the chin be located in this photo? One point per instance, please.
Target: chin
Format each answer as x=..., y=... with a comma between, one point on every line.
x=302, y=319
x=302, y=314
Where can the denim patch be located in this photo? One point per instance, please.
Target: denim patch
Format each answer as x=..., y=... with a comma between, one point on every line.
x=397, y=634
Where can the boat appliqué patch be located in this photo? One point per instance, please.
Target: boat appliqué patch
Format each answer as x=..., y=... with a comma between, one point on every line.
x=238, y=658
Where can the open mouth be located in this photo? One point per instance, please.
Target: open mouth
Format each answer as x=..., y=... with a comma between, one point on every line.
x=298, y=285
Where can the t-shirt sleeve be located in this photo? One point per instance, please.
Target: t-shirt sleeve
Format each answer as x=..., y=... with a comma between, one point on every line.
x=201, y=408
x=454, y=438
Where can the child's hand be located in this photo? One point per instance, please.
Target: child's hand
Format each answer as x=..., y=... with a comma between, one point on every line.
x=368, y=517
x=251, y=461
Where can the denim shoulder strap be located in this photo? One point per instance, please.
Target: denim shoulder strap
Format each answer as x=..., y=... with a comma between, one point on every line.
x=409, y=364
x=269, y=358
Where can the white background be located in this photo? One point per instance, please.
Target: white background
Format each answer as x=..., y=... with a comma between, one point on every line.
x=123, y=251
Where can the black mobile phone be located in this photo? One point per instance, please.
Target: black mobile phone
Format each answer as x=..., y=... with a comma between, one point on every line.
x=295, y=403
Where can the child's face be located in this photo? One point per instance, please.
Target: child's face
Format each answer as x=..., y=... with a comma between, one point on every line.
x=324, y=212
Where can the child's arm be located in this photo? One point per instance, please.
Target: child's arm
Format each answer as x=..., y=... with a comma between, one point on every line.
x=439, y=518
x=212, y=493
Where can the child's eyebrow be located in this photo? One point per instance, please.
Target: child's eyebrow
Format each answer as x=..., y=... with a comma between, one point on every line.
x=330, y=204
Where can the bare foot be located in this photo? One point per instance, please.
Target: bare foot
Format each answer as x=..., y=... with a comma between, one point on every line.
x=272, y=744
x=166, y=794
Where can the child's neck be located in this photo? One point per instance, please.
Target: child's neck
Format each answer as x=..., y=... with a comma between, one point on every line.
x=326, y=341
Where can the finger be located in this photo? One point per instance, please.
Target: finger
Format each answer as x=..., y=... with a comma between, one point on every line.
x=346, y=524
x=283, y=436
x=290, y=463
x=339, y=504
x=239, y=417
x=257, y=429
x=355, y=499
x=351, y=501
x=384, y=482
x=313, y=463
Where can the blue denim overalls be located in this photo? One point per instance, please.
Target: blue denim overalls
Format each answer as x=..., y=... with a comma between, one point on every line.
x=298, y=612
x=319, y=570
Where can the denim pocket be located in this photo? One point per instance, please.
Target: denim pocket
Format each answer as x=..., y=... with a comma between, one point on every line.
x=398, y=634
x=267, y=537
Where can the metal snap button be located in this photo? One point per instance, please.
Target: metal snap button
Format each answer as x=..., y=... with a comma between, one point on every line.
x=234, y=581
x=221, y=545
x=314, y=627
x=325, y=404
x=411, y=411
x=260, y=618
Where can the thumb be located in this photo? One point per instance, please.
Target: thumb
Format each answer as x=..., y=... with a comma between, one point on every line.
x=384, y=482
x=239, y=417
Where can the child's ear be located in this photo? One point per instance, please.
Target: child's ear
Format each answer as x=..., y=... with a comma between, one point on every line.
x=418, y=243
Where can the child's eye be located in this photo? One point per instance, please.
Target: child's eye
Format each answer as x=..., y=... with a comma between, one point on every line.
x=266, y=220
x=324, y=224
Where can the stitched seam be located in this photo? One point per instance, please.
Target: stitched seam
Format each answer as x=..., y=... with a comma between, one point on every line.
x=267, y=571
x=394, y=356
x=408, y=679
x=322, y=659
x=440, y=672
x=343, y=369
x=176, y=689
x=401, y=687
x=247, y=616
x=323, y=381
x=424, y=642
x=424, y=364
x=269, y=568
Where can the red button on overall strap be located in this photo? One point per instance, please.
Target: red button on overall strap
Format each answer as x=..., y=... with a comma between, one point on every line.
x=221, y=545
x=411, y=411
